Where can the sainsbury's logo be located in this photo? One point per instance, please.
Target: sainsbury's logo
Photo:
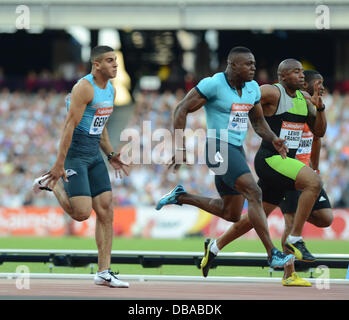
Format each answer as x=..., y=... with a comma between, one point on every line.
x=104, y=111
x=292, y=125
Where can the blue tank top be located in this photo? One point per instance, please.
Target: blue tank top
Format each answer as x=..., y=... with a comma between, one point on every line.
x=86, y=136
x=227, y=112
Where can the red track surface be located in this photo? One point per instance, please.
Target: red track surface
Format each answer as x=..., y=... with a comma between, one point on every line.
x=85, y=289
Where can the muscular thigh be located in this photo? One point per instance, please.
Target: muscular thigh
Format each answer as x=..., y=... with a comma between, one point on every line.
x=102, y=205
x=98, y=177
x=103, y=201
x=81, y=205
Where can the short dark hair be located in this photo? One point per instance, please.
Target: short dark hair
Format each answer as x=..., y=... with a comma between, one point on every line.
x=237, y=50
x=96, y=52
x=310, y=75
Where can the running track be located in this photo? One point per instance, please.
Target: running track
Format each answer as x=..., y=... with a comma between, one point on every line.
x=169, y=290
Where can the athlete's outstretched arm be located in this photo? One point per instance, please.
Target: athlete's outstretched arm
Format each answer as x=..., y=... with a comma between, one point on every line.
x=115, y=161
x=263, y=130
x=81, y=95
x=315, y=153
x=316, y=146
x=191, y=102
x=316, y=119
x=105, y=143
x=259, y=124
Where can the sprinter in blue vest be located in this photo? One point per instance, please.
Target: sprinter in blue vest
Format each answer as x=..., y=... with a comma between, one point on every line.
x=85, y=183
x=230, y=99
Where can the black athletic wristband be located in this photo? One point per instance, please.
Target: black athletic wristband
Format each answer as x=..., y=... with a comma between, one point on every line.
x=110, y=155
x=321, y=109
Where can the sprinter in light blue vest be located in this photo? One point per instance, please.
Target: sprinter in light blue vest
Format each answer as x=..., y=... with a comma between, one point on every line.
x=80, y=163
x=230, y=99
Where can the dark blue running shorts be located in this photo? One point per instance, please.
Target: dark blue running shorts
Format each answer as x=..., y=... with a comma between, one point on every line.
x=228, y=162
x=89, y=175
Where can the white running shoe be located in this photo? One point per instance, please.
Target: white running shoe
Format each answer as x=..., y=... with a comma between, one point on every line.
x=38, y=186
x=108, y=278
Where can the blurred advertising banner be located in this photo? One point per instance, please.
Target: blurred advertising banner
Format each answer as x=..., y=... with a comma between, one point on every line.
x=36, y=221
x=52, y=221
x=170, y=222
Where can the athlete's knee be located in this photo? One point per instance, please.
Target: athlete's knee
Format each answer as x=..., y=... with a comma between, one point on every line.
x=322, y=218
x=315, y=184
x=254, y=194
x=326, y=221
x=231, y=214
x=105, y=213
x=81, y=214
x=248, y=187
x=232, y=217
x=319, y=183
x=106, y=217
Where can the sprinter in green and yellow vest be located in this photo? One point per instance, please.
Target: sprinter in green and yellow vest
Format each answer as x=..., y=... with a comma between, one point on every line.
x=286, y=111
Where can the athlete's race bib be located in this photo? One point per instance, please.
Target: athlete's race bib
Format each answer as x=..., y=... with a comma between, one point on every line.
x=292, y=132
x=304, y=149
x=238, y=120
x=100, y=118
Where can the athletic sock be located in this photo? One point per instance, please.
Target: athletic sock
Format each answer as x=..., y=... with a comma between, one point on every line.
x=213, y=248
x=293, y=239
x=102, y=272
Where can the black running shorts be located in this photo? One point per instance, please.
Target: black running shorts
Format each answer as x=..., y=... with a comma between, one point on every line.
x=289, y=203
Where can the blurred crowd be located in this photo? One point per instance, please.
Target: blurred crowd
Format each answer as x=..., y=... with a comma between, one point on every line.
x=61, y=80
x=31, y=125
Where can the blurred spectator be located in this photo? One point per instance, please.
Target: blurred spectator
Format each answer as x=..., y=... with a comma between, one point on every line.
x=262, y=77
x=189, y=82
x=45, y=80
x=31, y=82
